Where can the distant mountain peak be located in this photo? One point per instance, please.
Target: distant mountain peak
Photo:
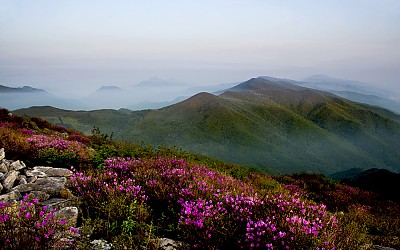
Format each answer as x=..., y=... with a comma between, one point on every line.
x=158, y=82
x=321, y=78
x=200, y=100
x=24, y=89
x=109, y=88
x=263, y=85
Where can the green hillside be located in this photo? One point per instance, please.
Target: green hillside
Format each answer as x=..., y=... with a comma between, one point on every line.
x=281, y=126
x=136, y=197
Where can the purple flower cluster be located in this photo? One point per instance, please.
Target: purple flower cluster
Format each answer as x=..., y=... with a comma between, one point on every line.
x=79, y=138
x=26, y=131
x=28, y=223
x=55, y=142
x=213, y=206
x=288, y=222
x=55, y=147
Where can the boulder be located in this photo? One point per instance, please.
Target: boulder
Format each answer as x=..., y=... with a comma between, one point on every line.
x=65, y=193
x=54, y=172
x=7, y=163
x=26, y=188
x=2, y=154
x=3, y=168
x=69, y=214
x=32, y=179
x=168, y=244
x=35, y=173
x=8, y=179
x=17, y=165
x=13, y=195
x=49, y=185
x=22, y=181
x=40, y=195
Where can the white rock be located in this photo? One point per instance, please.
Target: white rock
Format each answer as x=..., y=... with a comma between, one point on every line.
x=8, y=179
x=101, y=245
x=17, y=165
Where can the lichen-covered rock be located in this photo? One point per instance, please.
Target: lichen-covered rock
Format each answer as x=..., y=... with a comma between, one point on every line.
x=65, y=193
x=54, y=172
x=40, y=195
x=13, y=195
x=35, y=173
x=69, y=214
x=169, y=244
x=8, y=179
x=22, y=181
x=26, y=188
x=3, y=168
x=17, y=165
x=32, y=179
x=50, y=185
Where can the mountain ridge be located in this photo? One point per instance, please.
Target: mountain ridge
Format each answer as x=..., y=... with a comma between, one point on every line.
x=289, y=128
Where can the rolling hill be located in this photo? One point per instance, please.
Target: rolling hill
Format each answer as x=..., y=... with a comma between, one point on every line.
x=280, y=125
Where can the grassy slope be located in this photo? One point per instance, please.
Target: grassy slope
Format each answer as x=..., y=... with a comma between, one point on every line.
x=286, y=127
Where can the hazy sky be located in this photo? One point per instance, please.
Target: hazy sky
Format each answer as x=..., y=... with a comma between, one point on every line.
x=68, y=44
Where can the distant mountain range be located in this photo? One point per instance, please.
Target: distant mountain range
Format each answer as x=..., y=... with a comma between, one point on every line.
x=15, y=98
x=25, y=89
x=153, y=93
x=267, y=122
x=352, y=90
x=156, y=93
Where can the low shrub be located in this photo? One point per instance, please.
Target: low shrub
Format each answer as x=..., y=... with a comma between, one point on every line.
x=202, y=207
x=25, y=225
x=56, y=151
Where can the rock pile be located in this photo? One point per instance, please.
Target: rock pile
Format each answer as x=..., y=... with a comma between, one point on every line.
x=47, y=184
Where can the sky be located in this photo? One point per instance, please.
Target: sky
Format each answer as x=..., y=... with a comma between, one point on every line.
x=74, y=46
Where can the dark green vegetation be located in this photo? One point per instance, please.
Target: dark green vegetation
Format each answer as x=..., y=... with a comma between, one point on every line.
x=377, y=180
x=260, y=122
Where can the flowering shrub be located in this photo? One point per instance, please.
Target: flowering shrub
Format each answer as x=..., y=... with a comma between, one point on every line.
x=336, y=196
x=28, y=132
x=26, y=224
x=15, y=143
x=208, y=209
x=79, y=138
x=56, y=150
